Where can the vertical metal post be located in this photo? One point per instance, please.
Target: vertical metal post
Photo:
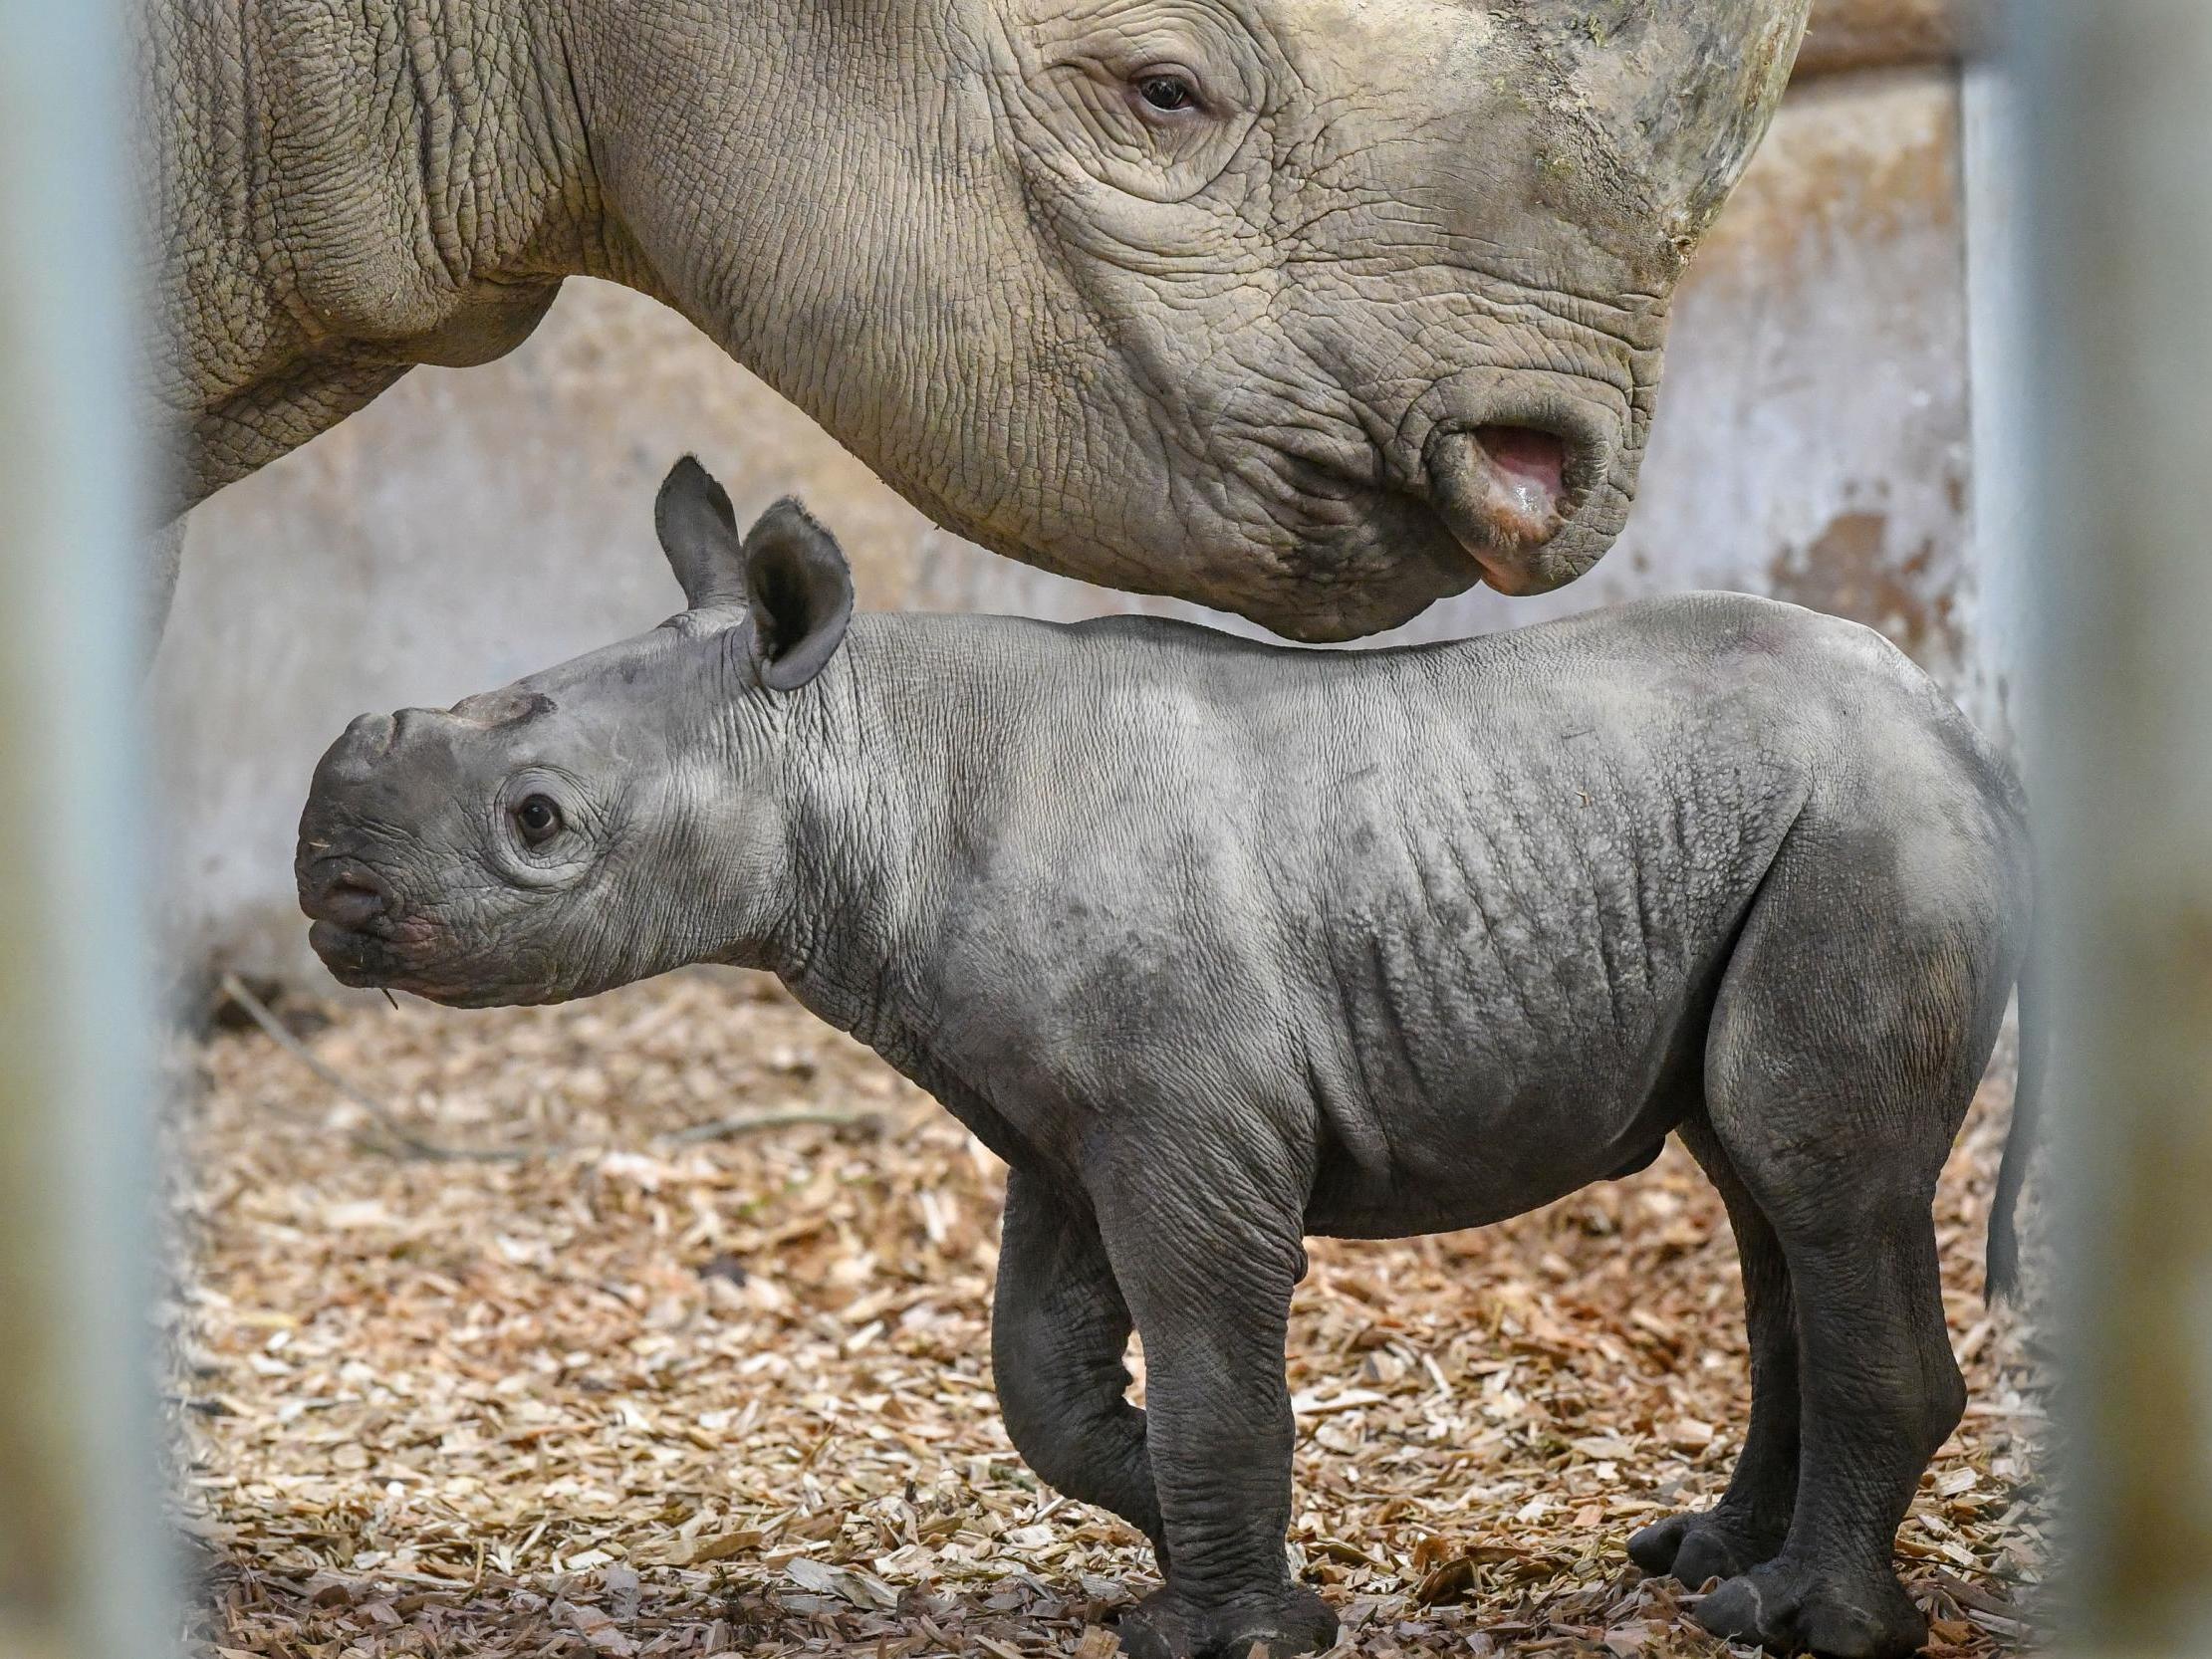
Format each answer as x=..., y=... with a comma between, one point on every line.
x=1996, y=606
x=81, y=1550
x=2118, y=96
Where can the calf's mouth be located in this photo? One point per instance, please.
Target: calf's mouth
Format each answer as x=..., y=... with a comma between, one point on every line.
x=356, y=927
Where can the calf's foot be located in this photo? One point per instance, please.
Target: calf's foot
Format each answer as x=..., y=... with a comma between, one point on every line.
x=1289, y=1621
x=1697, y=1546
x=1791, y=1607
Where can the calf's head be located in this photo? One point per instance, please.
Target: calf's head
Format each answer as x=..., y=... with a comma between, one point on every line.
x=1314, y=310
x=610, y=819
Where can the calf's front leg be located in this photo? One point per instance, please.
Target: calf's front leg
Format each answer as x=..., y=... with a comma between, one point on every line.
x=1058, y=1334
x=1206, y=1250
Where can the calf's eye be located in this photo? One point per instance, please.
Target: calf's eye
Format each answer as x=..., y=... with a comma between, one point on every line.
x=1166, y=92
x=538, y=818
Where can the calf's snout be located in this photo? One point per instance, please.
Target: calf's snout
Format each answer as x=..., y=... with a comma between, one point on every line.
x=367, y=738
x=347, y=897
x=370, y=740
x=335, y=884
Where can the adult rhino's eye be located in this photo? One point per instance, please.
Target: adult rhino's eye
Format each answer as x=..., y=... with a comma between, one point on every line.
x=538, y=818
x=1168, y=92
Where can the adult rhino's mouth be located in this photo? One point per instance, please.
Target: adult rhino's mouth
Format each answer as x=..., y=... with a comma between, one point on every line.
x=1507, y=493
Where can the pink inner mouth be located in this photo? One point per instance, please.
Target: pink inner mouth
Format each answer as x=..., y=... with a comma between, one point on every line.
x=1502, y=491
x=1531, y=471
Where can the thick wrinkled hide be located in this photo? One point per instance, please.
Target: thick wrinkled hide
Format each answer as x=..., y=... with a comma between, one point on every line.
x=1220, y=944
x=1315, y=310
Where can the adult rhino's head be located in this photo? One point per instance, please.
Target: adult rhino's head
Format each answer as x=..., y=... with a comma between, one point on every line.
x=1315, y=310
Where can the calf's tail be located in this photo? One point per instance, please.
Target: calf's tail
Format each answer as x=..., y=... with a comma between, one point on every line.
x=2001, y=1274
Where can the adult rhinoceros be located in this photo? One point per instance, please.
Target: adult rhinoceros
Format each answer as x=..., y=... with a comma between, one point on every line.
x=1315, y=310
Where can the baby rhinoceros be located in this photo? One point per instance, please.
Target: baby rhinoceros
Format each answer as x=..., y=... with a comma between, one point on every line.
x=1221, y=944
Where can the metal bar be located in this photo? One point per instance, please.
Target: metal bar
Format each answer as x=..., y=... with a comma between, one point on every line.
x=82, y=1549
x=2119, y=164
x=1995, y=604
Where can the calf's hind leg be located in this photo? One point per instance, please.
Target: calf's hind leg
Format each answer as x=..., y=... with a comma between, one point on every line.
x=1846, y=1046
x=1748, y=1525
x=1882, y=1395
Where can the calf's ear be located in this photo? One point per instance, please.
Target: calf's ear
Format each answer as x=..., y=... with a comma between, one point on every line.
x=698, y=533
x=799, y=591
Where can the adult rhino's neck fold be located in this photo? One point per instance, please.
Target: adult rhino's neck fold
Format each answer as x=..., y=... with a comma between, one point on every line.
x=497, y=103
x=422, y=173
x=342, y=191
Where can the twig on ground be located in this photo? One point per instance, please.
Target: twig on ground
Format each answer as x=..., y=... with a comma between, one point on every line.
x=724, y=1128
x=409, y=1142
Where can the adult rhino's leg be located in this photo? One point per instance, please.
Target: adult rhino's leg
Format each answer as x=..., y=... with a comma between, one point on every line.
x=164, y=556
x=1748, y=1525
x=1060, y=1332
x=237, y=438
x=1206, y=1248
x=266, y=421
x=1844, y=1053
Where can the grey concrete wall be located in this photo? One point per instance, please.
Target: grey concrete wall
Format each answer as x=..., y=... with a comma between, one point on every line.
x=1811, y=442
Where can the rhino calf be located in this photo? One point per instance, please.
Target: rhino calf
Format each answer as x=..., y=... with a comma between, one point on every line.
x=1220, y=944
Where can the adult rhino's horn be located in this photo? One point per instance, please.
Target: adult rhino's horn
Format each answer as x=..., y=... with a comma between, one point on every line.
x=698, y=532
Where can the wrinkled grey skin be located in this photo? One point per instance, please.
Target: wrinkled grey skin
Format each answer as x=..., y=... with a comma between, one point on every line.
x=1221, y=944
x=1239, y=351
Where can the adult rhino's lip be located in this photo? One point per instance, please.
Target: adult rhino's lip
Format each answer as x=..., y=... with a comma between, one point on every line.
x=1505, y=492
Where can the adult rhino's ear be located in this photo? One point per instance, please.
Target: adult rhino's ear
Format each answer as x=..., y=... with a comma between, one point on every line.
x=698, y=533
x=799, y=591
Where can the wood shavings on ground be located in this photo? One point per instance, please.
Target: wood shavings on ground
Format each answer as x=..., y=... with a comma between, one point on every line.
x=648, y=1396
